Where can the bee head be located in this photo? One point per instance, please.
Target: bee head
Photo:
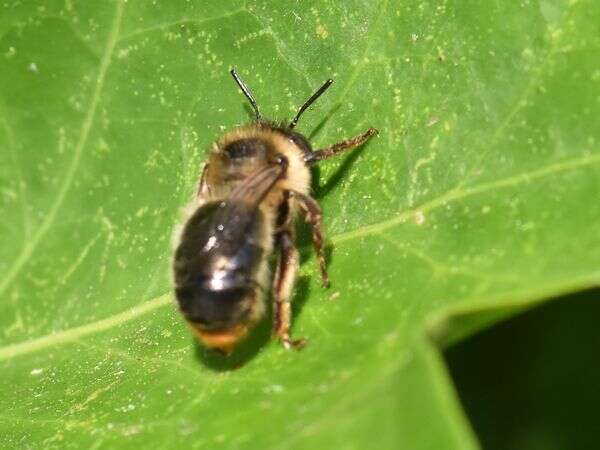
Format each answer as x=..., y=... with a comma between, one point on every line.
x=298, y=139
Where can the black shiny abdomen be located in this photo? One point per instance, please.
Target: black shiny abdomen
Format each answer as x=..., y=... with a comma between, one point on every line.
x=216, y=264
x=213, y=309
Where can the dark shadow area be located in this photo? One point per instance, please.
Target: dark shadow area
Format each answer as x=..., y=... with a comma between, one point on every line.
x=258, y=338
x=305, y=246
x=323, y=122
x=533, y=381
x=321, y=190
x=249, y=111
x=301, y=294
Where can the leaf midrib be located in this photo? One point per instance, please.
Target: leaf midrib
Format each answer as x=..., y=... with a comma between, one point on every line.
x=453, y=195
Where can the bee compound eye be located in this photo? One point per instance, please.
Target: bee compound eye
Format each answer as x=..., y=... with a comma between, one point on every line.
x=300, y=141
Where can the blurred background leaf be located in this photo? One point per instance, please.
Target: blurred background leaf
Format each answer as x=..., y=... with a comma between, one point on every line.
x=477, y=201
x=532, y=382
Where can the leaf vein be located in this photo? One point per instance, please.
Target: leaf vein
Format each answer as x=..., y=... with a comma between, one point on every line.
x=460, y=193
x=182, y=21
x=454, y=195
x=69, y=176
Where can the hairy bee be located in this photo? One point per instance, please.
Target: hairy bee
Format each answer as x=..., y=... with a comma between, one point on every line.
x=256, y=180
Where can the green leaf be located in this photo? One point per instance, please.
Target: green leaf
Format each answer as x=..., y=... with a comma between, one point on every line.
x=478, y=199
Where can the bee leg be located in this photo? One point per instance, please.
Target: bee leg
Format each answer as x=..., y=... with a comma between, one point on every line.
x=340, y=147
x=203, y=190
x=313, y=215
x=285, y=275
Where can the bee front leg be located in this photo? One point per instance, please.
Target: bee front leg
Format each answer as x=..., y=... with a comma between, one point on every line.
x=285, y=276
x=340, y=147
x=313, y=215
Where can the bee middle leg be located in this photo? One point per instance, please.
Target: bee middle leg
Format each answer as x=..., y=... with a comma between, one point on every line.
x=313, y=215
x=285, y=276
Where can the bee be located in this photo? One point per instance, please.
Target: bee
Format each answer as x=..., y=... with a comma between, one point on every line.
x=254, y=184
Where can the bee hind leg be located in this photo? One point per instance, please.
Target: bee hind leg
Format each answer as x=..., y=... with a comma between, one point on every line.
x=285, y=275
x=313, y=215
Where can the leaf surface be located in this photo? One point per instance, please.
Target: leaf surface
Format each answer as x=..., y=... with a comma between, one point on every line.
x=478, y=199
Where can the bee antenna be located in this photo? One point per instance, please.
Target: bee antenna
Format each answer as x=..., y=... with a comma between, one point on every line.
x=246, y=92
x=310, y=101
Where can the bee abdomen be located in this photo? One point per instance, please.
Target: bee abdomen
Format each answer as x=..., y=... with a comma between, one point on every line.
x=216, y=265
x=214, y=309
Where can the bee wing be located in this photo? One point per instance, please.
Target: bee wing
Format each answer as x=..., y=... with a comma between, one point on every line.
x=223, y=227
x=254, y=189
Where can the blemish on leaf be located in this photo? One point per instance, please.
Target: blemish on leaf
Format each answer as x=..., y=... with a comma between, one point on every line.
x=321, y=31
x=419, y=218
